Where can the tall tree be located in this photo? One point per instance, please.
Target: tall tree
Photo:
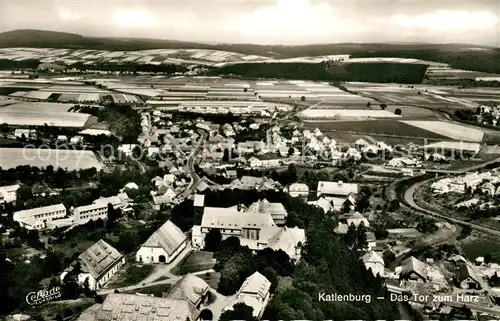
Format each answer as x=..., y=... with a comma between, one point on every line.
x=213, y=240
x=240, y=311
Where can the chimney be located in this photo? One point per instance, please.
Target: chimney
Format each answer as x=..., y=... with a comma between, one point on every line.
x=340, y=183
x=239, y=207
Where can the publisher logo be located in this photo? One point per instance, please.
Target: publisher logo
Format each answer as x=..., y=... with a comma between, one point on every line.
x=42, y=296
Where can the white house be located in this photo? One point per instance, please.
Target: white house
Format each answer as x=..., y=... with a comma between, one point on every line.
x=375, y=262
x=163, y=246
x=255, y=293
x=254, y=162
x=336, y=189
x=98, y=264
x=298, y=190
x=8, y=193
x=356, y=219
x=468, y=278
x=127, y=149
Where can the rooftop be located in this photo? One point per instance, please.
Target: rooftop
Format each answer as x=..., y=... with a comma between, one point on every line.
x=219, y=217
x=39, y=210
x=130, y=307
x=99, y=258
x=337, y=188
x=168, y=236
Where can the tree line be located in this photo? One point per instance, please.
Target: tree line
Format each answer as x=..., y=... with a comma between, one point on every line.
x=368, y=72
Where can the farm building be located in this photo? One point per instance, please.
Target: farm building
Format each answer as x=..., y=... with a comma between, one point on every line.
x=412, y=269
x=163, y=246
x=467, y=277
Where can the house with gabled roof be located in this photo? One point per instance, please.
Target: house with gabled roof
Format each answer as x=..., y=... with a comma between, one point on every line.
x=190, y=287
x=337, y=189
x=98, y=264
x=467, y=277
x=298, y=190
x=289, y=240
x=255, y=293
x=163, y=246
x=374, y=262
x=413, y=269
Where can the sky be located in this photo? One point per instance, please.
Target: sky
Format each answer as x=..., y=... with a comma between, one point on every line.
x=287, y=22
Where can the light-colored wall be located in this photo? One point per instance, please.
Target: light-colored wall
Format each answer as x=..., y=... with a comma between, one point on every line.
x=97, y=284
x=377, y=268
x=152, y=254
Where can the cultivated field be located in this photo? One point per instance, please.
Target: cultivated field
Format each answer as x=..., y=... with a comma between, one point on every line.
x=155, y=56
x=39, y=114
x=450, y=130
x=339, y=114
x=59, y=158
x=377, y=127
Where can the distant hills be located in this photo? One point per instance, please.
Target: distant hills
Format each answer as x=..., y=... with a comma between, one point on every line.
x=52, y=39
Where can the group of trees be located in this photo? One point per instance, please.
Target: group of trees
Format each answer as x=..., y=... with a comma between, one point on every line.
x=130, y=67
x=123, y=120
x=236, y=263
x=7, y=64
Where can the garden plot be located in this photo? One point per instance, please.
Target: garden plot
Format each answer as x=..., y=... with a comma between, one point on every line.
x=453, y=131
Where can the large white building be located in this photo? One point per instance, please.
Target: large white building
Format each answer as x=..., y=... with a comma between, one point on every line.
x=231, y=221
x=163, y=246
x=36, y=218
x=8, y=193
x=98, y=264
x=254, y=293
x=255, y=230
x=99, y=208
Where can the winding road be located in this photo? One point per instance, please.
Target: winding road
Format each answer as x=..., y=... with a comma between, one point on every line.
x=410, y=201
x=194, y=177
